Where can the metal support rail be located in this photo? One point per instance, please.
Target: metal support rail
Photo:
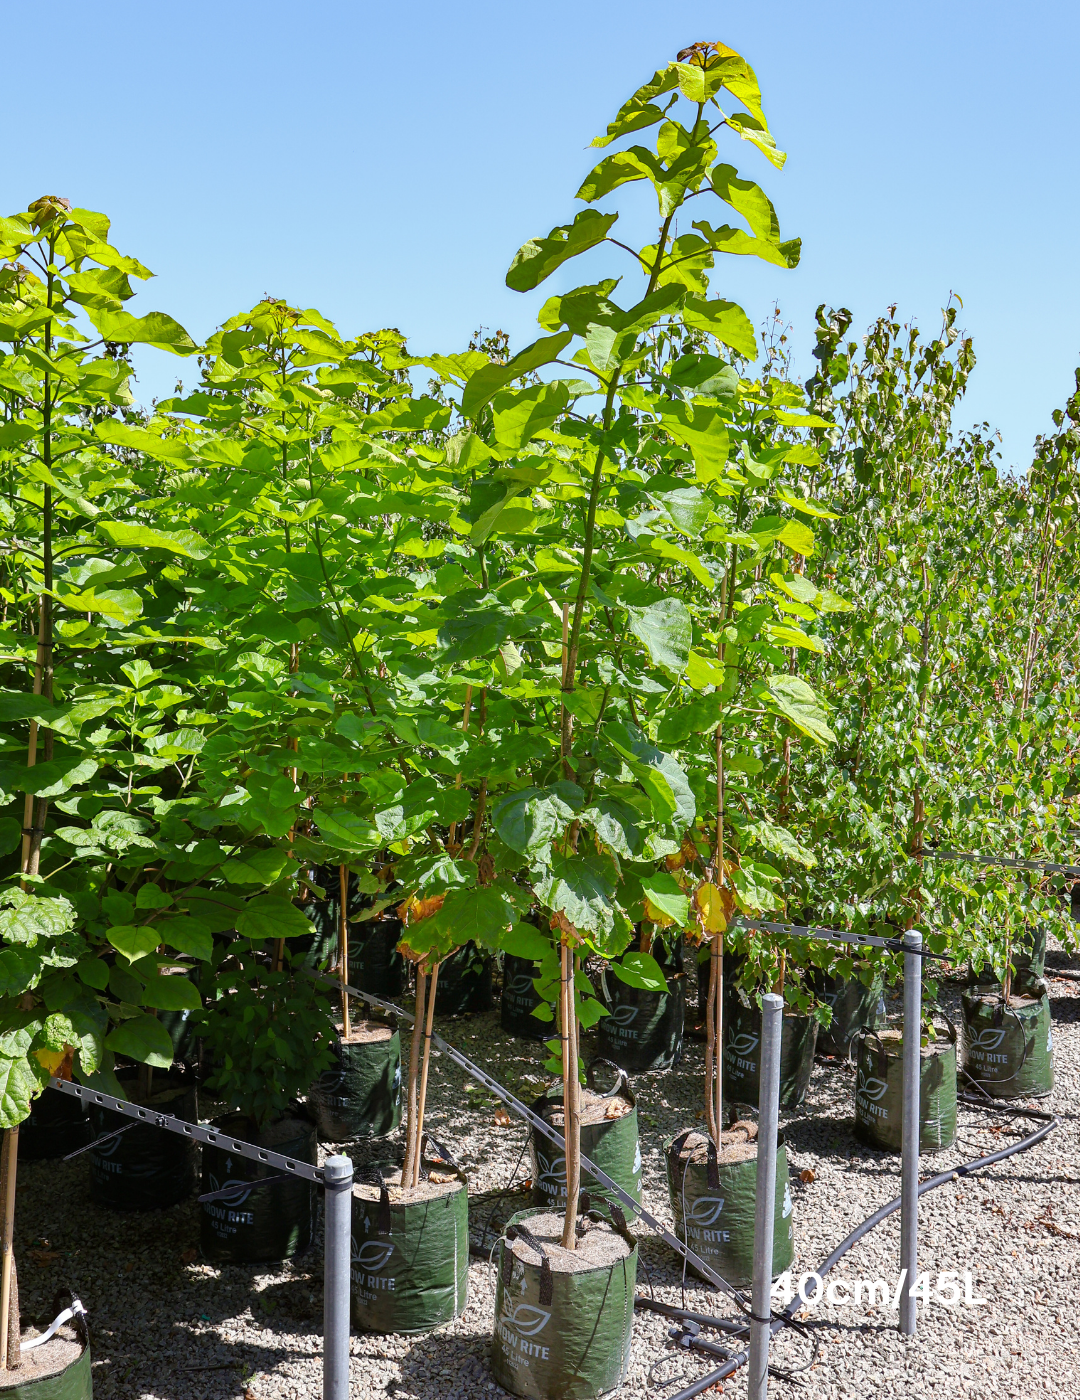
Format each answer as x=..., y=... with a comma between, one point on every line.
x=195, y=1131
x=835, y=935
x=1010, y=862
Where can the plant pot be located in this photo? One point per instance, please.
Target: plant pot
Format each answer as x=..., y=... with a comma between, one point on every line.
x=855, y=1005
x=464, y=985
x=714, y=1199
x=1008, y=1051
x=879, y=1091
x=566, y=1336
x=410, y=1254
x=59, y=1369
x=519, y=1000
x=144, y=1168
x=643, y=1030
x=270, y=1222
x=375, y=965
x=58, y=1124
x=361, y=1096
x=1028, y=960
x=611, y=1142
x=742, y=1041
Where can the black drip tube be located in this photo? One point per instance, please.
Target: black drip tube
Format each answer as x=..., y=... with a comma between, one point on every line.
x=787, y=1318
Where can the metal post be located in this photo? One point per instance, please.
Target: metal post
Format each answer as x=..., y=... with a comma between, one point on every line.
x=772, y=1023
x=909, y=1179
x=338, y=1183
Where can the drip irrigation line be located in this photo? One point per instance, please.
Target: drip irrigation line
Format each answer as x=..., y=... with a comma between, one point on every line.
x=787, y=1317
x=836, y=935
x=242, y=1188
x=554, y=1136
x=210, y=1137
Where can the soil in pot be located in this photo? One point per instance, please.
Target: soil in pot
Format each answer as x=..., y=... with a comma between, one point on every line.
x=563, y=1332
x=59, y=1369
x=855, y=1005
x=410, y=1253
x=1008, y=1051
x=609, y=1137
x=144, y=1168
x=643, y=1030
x=713, y=1198
x=361, y=1095
x=742, y=1042
x=464, y=985
x=520, y=998
x=879, y=1091
x=266, y=1223
x=58, y=1124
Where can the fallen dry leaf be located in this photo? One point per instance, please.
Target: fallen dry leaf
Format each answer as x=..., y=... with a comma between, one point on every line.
x=189, y=1256
x=129, y=1266
x=43, y=1257
x=806, y=1176
x=503, y=1119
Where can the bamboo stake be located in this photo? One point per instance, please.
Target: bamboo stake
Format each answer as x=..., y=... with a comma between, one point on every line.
x=414, y=1066
x=452, y=838
x=10, y=1162
x=432, y=984
x=343, y=947
x=716, y=984
x=571, y=1112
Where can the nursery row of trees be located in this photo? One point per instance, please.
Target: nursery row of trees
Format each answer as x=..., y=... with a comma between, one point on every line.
x=560, y=652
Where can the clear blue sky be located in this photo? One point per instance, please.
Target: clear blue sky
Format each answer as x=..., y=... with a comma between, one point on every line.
x=383, y=162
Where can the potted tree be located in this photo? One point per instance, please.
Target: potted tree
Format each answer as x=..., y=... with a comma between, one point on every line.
x=269, y=1030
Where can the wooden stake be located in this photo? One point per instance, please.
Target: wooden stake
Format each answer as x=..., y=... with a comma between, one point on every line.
x=422, y=1105
x=31, y=751
x=414, y=1066
x=7, y=1170
x=571, y=1098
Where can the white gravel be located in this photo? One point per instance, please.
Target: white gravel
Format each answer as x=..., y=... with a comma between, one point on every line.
x=166, y=1325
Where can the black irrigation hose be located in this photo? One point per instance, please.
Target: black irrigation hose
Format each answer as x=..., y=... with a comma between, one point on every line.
x=1049, y=1123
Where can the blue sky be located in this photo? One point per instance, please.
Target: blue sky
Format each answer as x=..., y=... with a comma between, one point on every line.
x=384, y=162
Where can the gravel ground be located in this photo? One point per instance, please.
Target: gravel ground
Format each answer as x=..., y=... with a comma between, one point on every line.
x=167, y=1325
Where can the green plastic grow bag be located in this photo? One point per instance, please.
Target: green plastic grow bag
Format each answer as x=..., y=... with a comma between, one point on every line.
x=74, y=1382
x=144, y=1168
x=879, y=1092
x=1008, y=1051
x=520, y=998
x=714, y=1204
x=410, y=1260
x=742, y=1041
x=265, y=1224
x=361, y=1095
x=569, y=1343
x=612, y=1143
x=642, y=1030
x=855, y=1005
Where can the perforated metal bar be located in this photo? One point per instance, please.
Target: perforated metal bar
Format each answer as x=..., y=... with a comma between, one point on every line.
x=833, y=935
x=195, y=1131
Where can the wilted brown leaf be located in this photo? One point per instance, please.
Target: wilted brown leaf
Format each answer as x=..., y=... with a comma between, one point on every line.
x=806, y=1176
x=503, y=1119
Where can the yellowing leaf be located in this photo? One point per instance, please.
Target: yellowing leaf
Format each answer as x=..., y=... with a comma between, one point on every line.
x=710, y=905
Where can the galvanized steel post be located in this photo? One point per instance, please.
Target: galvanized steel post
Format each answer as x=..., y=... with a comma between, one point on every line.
x=909, y=1178
x=338, y=1180
x=772, y=1022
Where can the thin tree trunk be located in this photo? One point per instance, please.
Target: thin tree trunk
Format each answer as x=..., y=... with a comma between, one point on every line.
x=31, y=752
x=571, y=1098
x=343, y=947
x=422, y=1105
x=414, y=1069
x=9, y=1293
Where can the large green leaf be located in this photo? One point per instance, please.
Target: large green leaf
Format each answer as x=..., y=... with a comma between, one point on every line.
x=128, y=536
x=657, y=771
x=640, y=970
x=666, y=895
x=725, y=320
x=19, y=1083
x=486, y=383
x=581, y=887
x=173, y=993
x=271, y=916
x=796, y=700
x=540, y=257
x=666, y=631
x=532, y=818
x=143, y=1038
x=156, y=328
x=520, y=414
